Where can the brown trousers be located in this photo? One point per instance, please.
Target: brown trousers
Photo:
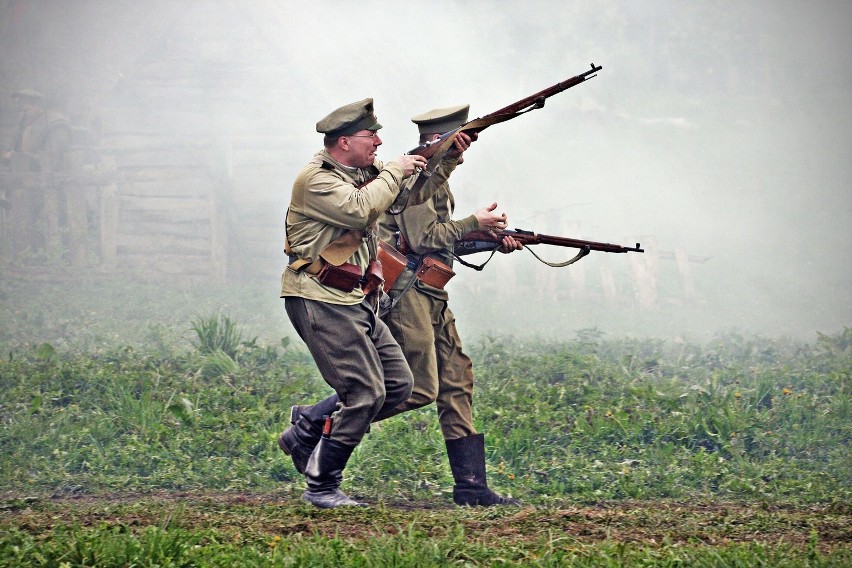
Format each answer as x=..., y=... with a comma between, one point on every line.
x=425, y=329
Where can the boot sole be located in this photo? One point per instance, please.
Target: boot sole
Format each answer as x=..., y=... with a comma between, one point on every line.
x=340, y=499
x=486, y=498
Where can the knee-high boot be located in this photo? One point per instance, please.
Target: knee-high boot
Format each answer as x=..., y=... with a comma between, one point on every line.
x=301, y=437
x=467, y=461
x=324, y=473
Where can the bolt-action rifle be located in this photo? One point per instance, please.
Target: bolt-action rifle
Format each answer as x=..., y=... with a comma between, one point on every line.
x=478, y=241
x=435, y=150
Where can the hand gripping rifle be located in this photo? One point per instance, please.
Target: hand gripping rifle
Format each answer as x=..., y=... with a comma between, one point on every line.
x=435, y=150
x=478, y=241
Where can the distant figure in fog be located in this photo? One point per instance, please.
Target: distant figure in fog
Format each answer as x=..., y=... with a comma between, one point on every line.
x=43, y=212
x=43, y=135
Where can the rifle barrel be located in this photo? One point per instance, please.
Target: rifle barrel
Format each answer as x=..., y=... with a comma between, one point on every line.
x=579, y=243
x=529, y=237
x=546, y=93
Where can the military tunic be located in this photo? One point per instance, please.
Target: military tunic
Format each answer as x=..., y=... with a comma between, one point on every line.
x=324, y=205
x=49, y=134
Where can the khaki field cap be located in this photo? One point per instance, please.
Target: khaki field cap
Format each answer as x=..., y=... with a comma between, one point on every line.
x=349, y=119
x=441, y=120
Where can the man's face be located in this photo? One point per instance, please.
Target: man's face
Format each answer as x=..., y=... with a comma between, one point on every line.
x=361, y=148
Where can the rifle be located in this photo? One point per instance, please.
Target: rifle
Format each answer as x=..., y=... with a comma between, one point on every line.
x=435, y=150
x=477, y=241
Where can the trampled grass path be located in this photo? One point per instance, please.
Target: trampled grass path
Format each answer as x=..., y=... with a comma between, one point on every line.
x=270, y=516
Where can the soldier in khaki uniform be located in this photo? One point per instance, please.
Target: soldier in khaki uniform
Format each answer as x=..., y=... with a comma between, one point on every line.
x=40, y=131
x=331, y=235
x=40, y=144
x=423, y=324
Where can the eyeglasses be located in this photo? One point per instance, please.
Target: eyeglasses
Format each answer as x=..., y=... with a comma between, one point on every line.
x=370, y=135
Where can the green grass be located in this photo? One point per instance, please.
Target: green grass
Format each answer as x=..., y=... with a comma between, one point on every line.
x=137, y=441
x=203, y=529
x=605, y=420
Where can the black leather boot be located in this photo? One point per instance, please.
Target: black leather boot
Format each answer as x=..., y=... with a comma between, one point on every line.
x=324, y=473
x=301, y=437
x=467, y=461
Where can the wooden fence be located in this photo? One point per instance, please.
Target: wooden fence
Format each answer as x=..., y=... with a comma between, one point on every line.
x=133, y=222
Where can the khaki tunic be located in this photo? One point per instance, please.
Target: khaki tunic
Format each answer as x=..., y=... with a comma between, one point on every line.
x=422, y=322
x=48, y=135
x=49, y=132
x=323, y=206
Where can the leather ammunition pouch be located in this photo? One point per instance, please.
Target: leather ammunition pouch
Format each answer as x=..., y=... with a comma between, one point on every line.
x=434, y=273
x=332, y=272
x=393, y=263
x=373, y=277
x=430, y=271
x=345, y=277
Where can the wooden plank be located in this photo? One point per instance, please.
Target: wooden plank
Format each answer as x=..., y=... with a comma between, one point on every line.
x=77, y=222
x=153, y=118
x=181, y=265
x=163, y=174
x=108, y=215
x=157, y=157
x=170, y=187
x=137, y=220
x=191, y=230
x=163, y=209
x=160, y=245
x=219, y=239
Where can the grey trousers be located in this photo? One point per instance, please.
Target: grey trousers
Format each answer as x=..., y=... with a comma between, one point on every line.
x=357, y=356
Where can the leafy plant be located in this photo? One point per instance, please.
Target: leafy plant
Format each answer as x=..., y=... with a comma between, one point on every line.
x=218, y=333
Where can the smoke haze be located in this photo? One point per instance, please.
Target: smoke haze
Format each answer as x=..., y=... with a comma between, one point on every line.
x=716, y=130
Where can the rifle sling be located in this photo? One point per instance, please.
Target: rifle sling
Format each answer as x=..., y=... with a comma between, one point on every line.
x=476, y=266
x=583, y=252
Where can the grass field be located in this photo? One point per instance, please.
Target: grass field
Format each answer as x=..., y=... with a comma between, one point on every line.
x=152, y=442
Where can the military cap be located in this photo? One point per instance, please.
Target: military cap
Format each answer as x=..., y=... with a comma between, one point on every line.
x=27, y=94
x=441, y=120
x=349, y=119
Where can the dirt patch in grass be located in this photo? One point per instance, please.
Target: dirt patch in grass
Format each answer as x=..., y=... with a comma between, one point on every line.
x=260, y=516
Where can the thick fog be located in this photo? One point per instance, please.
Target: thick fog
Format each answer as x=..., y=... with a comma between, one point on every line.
x=717, y=131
